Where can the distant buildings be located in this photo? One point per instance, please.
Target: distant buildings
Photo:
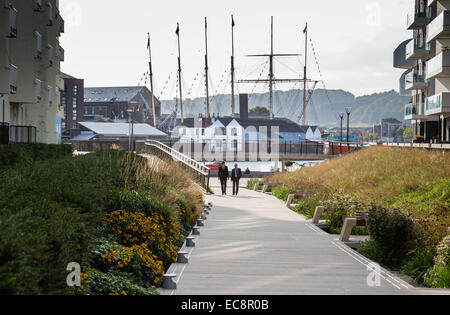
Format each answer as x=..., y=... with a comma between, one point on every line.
x=119, y=131
x=387, y=129
x=426, y=61
x=30, y=57
x=72, y=101
x=111, y=104
x=231, y=133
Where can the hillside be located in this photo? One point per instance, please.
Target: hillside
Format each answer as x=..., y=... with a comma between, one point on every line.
x=367, y=110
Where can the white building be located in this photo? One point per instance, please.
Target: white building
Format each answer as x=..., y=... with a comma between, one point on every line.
x=30, y=57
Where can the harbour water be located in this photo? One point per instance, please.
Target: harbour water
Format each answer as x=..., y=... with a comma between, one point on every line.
x=268, y=166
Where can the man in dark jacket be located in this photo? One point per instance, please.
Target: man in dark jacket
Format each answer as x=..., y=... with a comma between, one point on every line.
x=224, y=175
x=236, y=175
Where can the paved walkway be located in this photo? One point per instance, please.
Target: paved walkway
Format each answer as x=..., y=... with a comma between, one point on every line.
x=254, y=245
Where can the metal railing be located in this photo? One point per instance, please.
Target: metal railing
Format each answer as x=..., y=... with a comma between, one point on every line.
x=199, y=172
x=22, y=134
x=4, y=133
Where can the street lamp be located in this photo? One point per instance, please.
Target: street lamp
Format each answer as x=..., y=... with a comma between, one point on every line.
x=348, y=110
x=131, y=111
x=341, y=116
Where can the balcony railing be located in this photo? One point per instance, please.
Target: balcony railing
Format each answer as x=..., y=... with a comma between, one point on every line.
x=22, y=134
x=439, y=65
x=420, y=17
x=439, y=27
x=417, y=49
x=4, y=133
x=12, y=22
x=415, y=80
x=414, y=110
x=438, y=104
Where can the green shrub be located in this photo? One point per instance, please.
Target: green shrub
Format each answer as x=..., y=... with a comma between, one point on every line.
x=288, y=163
x=420, y=261
x=14, y=154
x=282, y=193
x=307, y=206
x=371, y=250
x=52, y=211
x=395, y=234
x=439, y=275
x=114, y=282
x=251, y=183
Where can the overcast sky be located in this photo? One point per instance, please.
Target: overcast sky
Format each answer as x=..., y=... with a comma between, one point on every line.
x=105, y=41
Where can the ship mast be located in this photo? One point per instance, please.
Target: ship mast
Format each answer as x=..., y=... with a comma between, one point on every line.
x=233, y=105
x=179, y=73
x=305, y=31
x=151, y=81
x=208, y=111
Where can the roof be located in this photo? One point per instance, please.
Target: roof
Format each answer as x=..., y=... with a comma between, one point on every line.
x=111, y=94
x=84, y=136
x=65, y=76
x=122, y=129
x=285, y=125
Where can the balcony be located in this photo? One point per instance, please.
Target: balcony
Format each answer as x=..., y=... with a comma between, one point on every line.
x=414, y=111
x=438, y=104
x=400, y=57
x=415, y=81
x=439, y=28
x=22, y=134
x=417, y=49
x=439, y=66
x=418, y=18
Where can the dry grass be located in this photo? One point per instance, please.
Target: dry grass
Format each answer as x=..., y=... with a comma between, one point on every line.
x=373, y=173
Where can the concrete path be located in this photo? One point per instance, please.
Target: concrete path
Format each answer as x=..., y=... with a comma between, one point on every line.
x=254, y=245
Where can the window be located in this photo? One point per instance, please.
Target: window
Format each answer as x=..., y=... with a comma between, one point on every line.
x=50, y=54
x=38, y=44
x=13, y=78
x=50, y=14
x=234, y=132
x=37, y=5
x=75, y=90
x=38, y=88
x=50, y=94
x=220, y=131
x=12, y=22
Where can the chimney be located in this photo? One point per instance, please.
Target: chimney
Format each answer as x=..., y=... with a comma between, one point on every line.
x=243, y=103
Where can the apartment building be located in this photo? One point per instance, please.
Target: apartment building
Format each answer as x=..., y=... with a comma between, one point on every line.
x=427, y=70
x=72, y=102
x=30, y=57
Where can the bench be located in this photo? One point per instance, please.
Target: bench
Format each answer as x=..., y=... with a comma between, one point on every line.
x=297, y=195
x=270, y=185
x=361, y=219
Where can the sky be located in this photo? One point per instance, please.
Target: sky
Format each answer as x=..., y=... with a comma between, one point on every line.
x=105, y=42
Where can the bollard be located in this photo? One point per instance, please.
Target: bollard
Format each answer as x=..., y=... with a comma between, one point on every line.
x=182, y=258
x=190, y=242
x=168, y=282
x=200, y=222
x=196, y=231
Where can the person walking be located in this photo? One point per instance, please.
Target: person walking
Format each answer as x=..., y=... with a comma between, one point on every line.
x=236, y=175
x=224, y=175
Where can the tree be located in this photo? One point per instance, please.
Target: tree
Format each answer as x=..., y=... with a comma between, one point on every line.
x=407, y=133
x=259, y=111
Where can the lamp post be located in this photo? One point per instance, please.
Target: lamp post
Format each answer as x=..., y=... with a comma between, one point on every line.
x=131, y=111
x=348, y=110
x=341, y=116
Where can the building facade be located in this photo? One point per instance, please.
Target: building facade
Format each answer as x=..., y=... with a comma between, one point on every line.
x=120, y=104
x=30, y=57
x=426, y=61
x=72, y=102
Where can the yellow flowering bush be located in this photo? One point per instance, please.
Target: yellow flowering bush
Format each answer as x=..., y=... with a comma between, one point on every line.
x=161, y=235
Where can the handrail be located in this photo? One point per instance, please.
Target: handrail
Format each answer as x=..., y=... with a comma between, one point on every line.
x=180, y=157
